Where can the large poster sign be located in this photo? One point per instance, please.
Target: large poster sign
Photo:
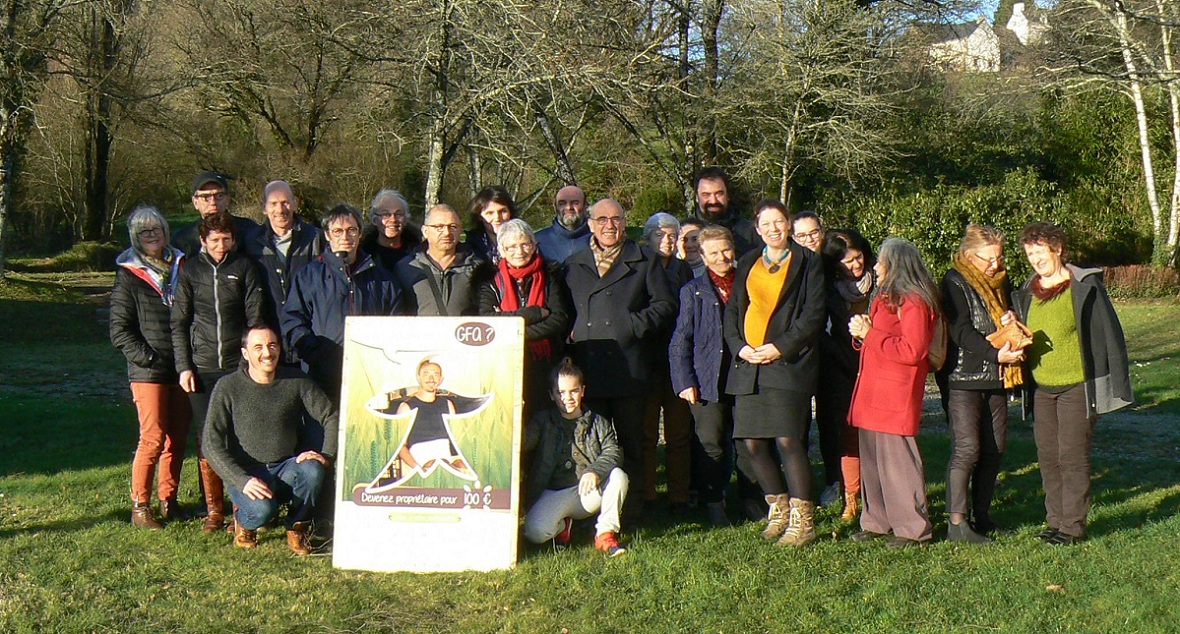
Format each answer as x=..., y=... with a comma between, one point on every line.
x=429, y=444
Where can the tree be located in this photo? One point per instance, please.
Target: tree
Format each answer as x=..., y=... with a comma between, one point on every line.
x=30, y=30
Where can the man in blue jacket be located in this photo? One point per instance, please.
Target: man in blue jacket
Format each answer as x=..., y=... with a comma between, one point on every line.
x=343, y=281
x=569, y=233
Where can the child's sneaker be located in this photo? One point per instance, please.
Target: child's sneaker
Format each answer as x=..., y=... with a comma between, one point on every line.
x=609, y=544
x=561, y=541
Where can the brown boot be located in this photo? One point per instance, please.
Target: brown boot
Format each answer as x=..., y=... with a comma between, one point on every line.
x=172, y=511
x=245, y=538
x=214, y=497
x=851, y=506
x=778, y=516
x=801, y=530
x=299, y=538
x=142, y=516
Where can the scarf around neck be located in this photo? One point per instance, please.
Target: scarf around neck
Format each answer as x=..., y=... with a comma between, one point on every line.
x=723, y=284
x=506, y=280
x=991, y=290
x=604, y=258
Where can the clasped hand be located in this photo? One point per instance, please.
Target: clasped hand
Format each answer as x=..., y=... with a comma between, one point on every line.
x=763, y=354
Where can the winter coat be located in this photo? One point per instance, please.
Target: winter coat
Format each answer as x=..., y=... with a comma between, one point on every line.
x=388, y=257
x=745, y=237
x=616, y=318
x=434, y=292
x=893, y=367
x=971, y=361
x=557, y=243
x=214, y=305
x=307, y=243
x=322, y=295
x=698, y=355
x=839, y=361
x=679, y=273
x=1104, y=349
x=566, y=450
x=140, y=318
x=794, y=326
x=188, y=239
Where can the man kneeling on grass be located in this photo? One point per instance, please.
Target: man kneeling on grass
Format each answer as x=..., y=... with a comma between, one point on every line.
x=576, y=469
x=255, y=440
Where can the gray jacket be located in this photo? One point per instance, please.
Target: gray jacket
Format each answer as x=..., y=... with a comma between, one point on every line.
x=436, y=292
x=1104, y=350
x=567, y=449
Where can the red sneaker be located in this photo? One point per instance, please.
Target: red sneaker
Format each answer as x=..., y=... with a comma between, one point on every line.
x=562, y=539
x=609, y=543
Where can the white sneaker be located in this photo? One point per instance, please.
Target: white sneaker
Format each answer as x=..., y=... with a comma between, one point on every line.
x=830, y=495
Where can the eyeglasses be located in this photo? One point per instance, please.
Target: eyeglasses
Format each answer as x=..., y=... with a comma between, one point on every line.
x=400, y=215
x=524, y=247
x=151, y=231
x=814, y=234
x=602, y=220
x=338, y=232
x=211, y=196
x=443, y=228
x=999, y=259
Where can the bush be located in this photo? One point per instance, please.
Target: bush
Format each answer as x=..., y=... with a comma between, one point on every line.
x=1141, y=280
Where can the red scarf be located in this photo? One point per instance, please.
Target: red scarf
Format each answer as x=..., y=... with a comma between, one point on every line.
x=724, y=284
x=506, y=278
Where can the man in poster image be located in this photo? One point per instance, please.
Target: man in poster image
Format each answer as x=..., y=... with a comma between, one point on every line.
x=444, y=278
x=714, y=206
x=283, y=246
x=569, y=232
x=429, y=444
x=210, y=196
x=622, y=299
x=255, y=438
x=343, y=281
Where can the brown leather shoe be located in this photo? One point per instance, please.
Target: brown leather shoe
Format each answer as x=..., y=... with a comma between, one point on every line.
x=245, y=538
x=299, y=538
x=172, y=511
x=214, y=497
x=142, y=516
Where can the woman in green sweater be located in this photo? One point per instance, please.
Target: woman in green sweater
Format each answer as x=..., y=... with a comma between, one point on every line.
x=1078, y=364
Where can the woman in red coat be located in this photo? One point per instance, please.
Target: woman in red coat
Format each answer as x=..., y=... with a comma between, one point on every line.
x=894, y=341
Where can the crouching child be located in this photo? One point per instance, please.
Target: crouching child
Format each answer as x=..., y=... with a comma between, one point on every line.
x=576, y=468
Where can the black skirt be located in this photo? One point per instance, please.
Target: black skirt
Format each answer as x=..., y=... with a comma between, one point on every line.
x=771, y=413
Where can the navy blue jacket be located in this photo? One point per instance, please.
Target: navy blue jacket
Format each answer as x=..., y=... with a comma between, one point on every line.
x=307, y=243
x=557, y=243
x=698, y=354
x=321, y=296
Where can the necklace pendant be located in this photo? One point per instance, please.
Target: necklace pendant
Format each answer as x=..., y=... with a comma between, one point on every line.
x=774, y=268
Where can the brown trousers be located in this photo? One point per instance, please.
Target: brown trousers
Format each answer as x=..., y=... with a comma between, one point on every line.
x=1063, y=433
x=893, y=486
x=678, y=432
x=164, y=418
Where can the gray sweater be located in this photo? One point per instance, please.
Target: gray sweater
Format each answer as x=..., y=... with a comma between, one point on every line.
x=251, y=424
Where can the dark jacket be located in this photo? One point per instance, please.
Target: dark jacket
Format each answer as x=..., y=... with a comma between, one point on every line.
x=1104, y=349
x=435, y=292
x=567, y=449
x=321, y=296
x=214, y=305
x=388, y=257
x=307, y=243
x=745, y=238
x=481, y=245
x=554, y=327
x=794, y=326
x=698, y=355
x=838, y=359
x=188, y=239
x=971, y=361
x=616, y=318
x=557, y=243
x=140, y=317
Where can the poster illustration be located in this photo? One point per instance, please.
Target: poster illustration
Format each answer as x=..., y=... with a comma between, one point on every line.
x=429, y=444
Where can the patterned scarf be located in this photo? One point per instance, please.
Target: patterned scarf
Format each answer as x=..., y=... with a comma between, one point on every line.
x=723, y=283
x=991, y=289
x=604, y=258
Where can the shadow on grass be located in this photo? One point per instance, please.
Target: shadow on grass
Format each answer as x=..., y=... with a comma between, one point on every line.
x=69, y=526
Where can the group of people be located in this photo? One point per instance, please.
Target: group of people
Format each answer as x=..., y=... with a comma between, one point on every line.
x=715, y=332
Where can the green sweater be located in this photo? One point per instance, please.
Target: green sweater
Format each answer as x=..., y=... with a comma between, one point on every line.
x=251, y=424
x=1055, y=356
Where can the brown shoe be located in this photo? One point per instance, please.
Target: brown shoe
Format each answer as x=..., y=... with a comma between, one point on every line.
x=245, y=538
x=851, y=506
x=214, y=497
x=801, y=530
x=778, y=517
x=299, y=538
x=142, y=516
x=172, y=511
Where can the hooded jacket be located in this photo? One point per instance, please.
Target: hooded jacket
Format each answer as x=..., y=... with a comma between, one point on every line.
x=1104, y=349
x=214, y=304
x=140, y=317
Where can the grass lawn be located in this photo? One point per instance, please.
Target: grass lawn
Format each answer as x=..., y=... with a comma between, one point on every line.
x=71, y=562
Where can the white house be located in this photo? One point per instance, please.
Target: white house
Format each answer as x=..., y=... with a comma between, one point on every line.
x=969, y=46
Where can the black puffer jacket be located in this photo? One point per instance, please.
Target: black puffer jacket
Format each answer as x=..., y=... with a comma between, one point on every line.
x=214, y=305
x=971, y=361
x=139, y=318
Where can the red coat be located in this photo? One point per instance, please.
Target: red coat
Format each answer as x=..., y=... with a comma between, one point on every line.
x=892, y=377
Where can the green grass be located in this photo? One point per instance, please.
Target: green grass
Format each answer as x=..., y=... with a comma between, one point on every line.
x=70, y=562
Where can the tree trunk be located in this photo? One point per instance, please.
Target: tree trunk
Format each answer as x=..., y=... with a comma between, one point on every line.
x=1169, y=251
x=711, y=11
x=562, y=166
x=1136, y=90
x=9, y=158
x=434, y=167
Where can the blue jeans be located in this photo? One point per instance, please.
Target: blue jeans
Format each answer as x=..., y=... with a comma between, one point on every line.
x=296, y=483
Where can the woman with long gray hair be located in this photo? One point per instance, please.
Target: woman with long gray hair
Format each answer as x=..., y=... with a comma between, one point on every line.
x=894, y=343
x=141, y=300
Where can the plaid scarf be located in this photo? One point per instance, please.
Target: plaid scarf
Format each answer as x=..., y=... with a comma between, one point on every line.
x=604, y=258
